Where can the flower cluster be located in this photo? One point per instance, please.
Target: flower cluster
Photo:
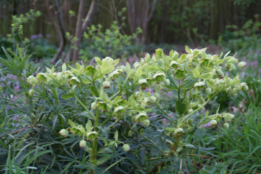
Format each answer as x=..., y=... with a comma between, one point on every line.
x=195, y=77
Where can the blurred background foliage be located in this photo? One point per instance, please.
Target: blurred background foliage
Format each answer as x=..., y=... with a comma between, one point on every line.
x=194, y=22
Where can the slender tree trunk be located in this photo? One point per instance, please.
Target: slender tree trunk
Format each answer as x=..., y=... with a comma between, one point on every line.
x=62, y=33
x=83, y=28
x=78, y=32
x=139, y=14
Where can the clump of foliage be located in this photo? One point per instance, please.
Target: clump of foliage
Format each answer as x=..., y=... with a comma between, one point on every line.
x=245, y=40
x=109, y=43
x=17, y=26
x=116, y=126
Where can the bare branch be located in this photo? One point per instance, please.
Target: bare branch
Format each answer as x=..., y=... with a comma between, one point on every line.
x=153, y=5
x=88, y=17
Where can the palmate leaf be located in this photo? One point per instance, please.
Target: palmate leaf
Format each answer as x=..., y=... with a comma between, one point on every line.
x=188, y=83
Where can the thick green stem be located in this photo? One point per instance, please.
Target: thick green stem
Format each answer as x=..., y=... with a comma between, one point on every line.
x=175, y=146
x=95, y=142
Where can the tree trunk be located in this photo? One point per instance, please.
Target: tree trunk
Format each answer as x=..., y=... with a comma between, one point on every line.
x=62, y=33
x=139, y=14
x=78, y=32
x=87, y=19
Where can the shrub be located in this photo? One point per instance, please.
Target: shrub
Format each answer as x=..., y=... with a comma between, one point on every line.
x=116, y=122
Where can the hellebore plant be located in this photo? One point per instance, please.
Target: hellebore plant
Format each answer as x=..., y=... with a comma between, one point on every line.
x=119, y=93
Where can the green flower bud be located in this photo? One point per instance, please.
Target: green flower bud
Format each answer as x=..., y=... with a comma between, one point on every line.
x=208, y=91
x=141, y=117
x=199, y=86
x=41, y=77
x=90, y=70
x=92, y=135
x=230, y=66
x=103, y=106
x=229, y=90
x=146, y=122
x=93, y=106
x=106, y=84
x=114, y=74
x=158, y=77
x=241, y=65
x=31, y=92
x=143, y=83
x=152, y=99
x=63, y=132
x=228, y=116
x=159, y=53
x=204, y=62
x=220, y=74
x=173, y=64
x=232, y=60
x=226, y=125
x=119, y=110
x=178, y=131
x=190, y=111
x=180, y=74
x=126, y=147
x=83, y=144
x=32, y=80
x=167, y=82
x=213, y=122
x=74, y=81
x=149, y=80
x=244, y=86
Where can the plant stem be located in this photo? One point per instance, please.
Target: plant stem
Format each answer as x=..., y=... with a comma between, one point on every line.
x=165, y=114
x=95, y=142
x=185, y=118
x=119, y=91
x=84, y=107
x=113, y=123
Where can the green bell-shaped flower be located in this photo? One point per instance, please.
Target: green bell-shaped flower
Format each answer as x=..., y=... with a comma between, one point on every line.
x=41, y=77
x=90, y=70
x=241, y=65
x=180, y=74
x=83, y=144
x=119, y=110
x=159, y=77
x=32, y=80
x=146, y=122
x=143, y=83
x=126, y=147
x=141, y=116
x=92, y=135
x=178, y=131
x=63, y=132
